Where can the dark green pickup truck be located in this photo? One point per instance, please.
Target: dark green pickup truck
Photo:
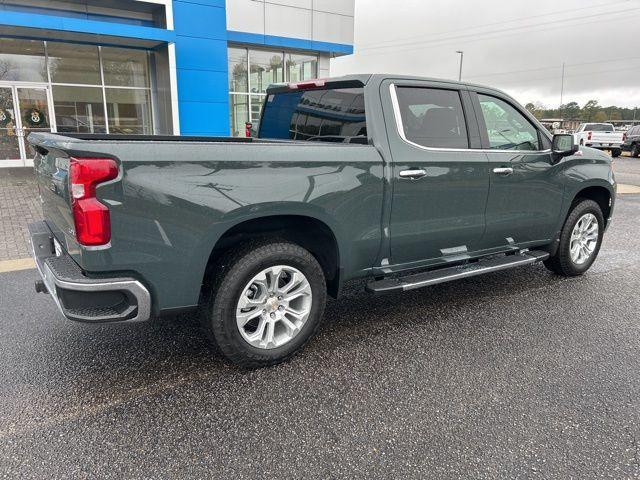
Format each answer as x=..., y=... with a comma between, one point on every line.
x=406, y=181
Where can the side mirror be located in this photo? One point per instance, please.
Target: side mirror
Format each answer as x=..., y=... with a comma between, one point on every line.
x=563, y=145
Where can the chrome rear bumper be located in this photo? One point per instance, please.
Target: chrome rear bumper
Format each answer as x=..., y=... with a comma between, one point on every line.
x=79, y=297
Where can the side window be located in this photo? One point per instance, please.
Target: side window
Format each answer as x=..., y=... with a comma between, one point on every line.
x=507, y=128
x=433, y=117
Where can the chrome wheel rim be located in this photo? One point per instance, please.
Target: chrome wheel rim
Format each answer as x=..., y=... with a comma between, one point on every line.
x=584, y=239
x=273, y=307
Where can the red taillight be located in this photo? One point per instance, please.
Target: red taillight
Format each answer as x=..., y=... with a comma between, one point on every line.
x=319, y=83
x=624, y=137
x=91, y=218
x=589, y=136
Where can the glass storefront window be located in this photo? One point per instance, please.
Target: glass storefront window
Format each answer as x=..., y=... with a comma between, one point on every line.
x=238, y=81
x=22, y=60
x=265, y=68
x=79, y=109
x=73, y=63
x=125, y=67
x=238, y=114
x=301, y=67
x=129, y=111
x=256, y=107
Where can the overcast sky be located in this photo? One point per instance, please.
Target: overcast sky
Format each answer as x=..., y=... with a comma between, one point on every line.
x=515, y=45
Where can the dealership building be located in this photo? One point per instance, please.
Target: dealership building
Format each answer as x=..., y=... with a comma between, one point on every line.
x=183, y=67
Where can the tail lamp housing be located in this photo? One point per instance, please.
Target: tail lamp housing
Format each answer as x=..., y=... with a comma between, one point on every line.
x=589, y=136
x=91, y=218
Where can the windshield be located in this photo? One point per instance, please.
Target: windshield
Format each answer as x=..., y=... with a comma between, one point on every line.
x=326, y=115
x=598, y=127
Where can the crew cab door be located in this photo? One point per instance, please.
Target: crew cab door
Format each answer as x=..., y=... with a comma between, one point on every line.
x=439, y=182
x=526, y=186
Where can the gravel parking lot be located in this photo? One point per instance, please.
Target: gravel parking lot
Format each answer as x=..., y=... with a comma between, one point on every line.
x=518, y=374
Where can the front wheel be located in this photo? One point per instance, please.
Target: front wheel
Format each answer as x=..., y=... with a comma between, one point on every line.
x=267, y=302
x=580, y=240
x=616, y=152
x=635, y=151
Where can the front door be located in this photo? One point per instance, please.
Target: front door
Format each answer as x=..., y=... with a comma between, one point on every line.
x=526, y=190
x=23, y=109
x=440, y=176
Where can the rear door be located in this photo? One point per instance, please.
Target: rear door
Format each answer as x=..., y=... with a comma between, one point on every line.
x=440, y=183
x=526, y=189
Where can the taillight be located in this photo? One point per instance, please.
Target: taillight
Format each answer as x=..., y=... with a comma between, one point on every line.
x=91, y=218
x=624, y=137
x=318, y=83
x=589, y=136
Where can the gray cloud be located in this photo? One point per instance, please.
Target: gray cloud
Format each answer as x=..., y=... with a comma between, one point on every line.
x=518, y=46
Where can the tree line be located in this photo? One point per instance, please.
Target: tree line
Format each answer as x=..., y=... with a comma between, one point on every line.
x=591, y=111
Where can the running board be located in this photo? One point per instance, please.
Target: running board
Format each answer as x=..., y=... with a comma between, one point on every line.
x=433, y=277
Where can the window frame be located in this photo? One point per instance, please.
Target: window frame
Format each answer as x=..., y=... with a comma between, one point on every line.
x=486, y=145
x=400, y=124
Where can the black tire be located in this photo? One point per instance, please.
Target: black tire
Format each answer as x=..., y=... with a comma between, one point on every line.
x=235, y=270
x=561, y=263
x=635, y=150
x=616, y=152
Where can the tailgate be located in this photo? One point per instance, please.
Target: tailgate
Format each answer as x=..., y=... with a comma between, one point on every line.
x=51, y=167
x=606, y=137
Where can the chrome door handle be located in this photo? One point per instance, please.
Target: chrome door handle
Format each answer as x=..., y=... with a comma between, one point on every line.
x=503, y=171
x=413, y=173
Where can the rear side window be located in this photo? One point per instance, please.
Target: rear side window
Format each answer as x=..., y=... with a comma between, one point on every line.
x=327, y=115
x=433, y=117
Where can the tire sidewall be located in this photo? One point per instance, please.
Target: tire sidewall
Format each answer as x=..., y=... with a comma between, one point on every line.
x=581, y=209
x=226, y=298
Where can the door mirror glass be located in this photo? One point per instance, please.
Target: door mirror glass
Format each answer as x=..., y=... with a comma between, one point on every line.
x=564, y=145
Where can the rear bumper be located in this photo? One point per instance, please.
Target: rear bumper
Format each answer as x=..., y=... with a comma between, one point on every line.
x=84, y=299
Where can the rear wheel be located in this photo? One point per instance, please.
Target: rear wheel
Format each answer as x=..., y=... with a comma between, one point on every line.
x=580, y=240
x=635, y=151
x=616, y=152
x=267, y=302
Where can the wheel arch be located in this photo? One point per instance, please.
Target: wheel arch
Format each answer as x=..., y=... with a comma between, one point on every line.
x=599, y=194
x=306, y=231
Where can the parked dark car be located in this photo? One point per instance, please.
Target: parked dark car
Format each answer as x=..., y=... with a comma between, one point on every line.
x=407, y=182
x=632, y=141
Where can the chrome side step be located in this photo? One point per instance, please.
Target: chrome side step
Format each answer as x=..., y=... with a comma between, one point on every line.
x=433, y=277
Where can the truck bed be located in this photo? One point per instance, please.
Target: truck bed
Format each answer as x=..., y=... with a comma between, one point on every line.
x=175, y=196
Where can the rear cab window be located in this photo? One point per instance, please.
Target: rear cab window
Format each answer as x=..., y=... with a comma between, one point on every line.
x=598, y=127
x=334, y=115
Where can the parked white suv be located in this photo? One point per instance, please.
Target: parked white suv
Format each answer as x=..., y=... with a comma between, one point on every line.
x=602, y=136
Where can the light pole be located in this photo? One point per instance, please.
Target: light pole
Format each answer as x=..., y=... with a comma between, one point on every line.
x=461, y=59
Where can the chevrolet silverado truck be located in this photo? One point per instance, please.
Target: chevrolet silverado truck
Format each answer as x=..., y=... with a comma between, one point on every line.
x=404, y=182
x=602, y=136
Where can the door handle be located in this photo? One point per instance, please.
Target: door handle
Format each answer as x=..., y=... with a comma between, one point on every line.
x=503, y=171
x=413, y=174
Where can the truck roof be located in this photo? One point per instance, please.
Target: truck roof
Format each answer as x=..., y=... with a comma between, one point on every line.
x=366, y=78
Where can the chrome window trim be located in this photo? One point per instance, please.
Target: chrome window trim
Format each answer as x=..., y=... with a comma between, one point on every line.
x=400, y=128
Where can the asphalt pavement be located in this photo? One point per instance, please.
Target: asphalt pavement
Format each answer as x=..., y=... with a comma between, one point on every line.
x=517, y=374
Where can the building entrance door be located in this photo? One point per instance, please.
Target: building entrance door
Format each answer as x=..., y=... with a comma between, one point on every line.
x=23, y=109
